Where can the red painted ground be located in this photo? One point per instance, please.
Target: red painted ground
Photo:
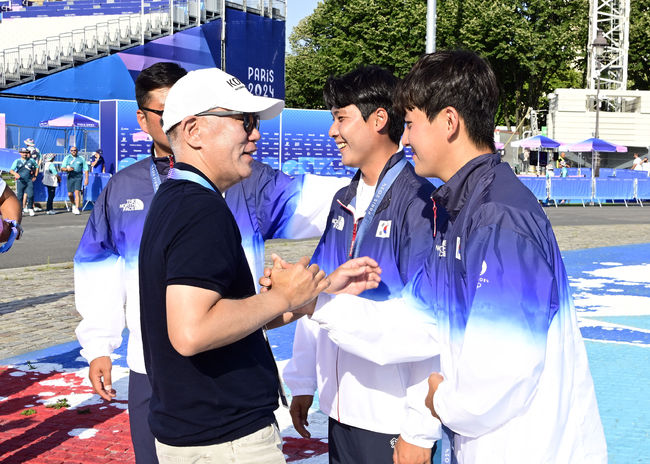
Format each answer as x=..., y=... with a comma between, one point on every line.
x=49, y=435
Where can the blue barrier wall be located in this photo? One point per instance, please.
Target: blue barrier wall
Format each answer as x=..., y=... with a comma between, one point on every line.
x=96, y=183
x=613, y=189
x=565, y=188
x=537, y=185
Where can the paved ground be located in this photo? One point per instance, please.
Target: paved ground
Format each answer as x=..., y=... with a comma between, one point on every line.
x=37, y=311
x=37, y=302
x=54, y=239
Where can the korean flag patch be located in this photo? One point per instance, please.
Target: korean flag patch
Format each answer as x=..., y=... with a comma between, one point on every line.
x=383, y=230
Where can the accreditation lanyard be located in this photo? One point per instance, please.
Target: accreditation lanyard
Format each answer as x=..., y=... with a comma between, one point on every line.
x=180, y=174
x=380, y=193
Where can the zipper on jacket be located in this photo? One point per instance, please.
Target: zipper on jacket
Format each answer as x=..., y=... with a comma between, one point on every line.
x=435, y=217
x=354, y=238
x=338, y=393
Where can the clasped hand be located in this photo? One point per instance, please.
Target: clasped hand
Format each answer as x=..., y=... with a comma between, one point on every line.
x=352, y=277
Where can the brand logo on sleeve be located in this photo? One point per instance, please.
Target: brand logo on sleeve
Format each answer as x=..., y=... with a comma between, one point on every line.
x=442, y=249
x=383, y=229
x=132, y=204
x=338, y=223
x=482, y=280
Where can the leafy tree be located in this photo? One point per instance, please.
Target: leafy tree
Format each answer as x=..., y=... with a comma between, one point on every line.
x=638, y=68
x=534, y=46
x=341, y=35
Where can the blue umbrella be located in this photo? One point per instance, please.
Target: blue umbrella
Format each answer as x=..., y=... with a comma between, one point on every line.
x=538, y=141
x=72, y=120
x=594, y=144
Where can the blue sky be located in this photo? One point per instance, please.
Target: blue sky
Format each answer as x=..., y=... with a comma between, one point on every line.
x=296, y=10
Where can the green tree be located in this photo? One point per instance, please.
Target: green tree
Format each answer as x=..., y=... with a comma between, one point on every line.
x=639, y=52
x=534, y=46
x=341, y=35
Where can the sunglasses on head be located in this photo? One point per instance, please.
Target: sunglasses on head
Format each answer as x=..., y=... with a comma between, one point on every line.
x=251, y=120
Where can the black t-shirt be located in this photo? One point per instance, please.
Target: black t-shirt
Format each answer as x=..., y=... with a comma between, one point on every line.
x=190, y=238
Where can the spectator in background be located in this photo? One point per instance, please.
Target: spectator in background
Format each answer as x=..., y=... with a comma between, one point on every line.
x=51, y=180
x=25, y=170
x=97, y=163
x=561, y=161
x=550, y=172
x=564, y=172
x=34, y=152
x=76, y=166
x=644, y=166
x=636, y=162
x=10, y=217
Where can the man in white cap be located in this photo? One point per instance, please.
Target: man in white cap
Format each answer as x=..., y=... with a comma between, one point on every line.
x=214, y=381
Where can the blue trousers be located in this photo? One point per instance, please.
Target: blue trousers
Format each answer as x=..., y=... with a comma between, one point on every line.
x=352, y=445
x=25, y=186
x=141, y=436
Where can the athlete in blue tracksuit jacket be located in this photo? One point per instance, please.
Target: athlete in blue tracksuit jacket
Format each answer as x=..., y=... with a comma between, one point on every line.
x=493, y=299
x=352, y=390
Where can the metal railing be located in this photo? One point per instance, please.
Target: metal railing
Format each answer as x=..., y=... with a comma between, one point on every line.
x=42, y=57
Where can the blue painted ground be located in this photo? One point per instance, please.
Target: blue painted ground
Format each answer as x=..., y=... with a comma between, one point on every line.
x=619, y=356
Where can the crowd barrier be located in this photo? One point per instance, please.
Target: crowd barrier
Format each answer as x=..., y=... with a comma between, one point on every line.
x=583, y=189
x=96, y=183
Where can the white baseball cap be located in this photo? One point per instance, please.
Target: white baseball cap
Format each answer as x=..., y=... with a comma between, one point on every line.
x=204, y=89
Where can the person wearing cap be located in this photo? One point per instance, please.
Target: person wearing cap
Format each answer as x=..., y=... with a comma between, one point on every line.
x=77, y=168
x=213, y=377
x=34, y=152
x=266, y=205
x=97, y=164
x=51, y=181
x=25, y=170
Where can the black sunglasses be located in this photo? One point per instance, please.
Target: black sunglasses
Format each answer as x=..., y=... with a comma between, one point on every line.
x=251, y=120
x=158, y=112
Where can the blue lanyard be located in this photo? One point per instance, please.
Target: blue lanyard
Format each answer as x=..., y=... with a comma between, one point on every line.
x=380, y=193
x=175, y=173
x=155, y=176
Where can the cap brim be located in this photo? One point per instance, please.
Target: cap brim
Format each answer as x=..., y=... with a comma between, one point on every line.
x=266, y=108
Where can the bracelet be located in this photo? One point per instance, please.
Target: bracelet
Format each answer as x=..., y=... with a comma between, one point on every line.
x=16, y=232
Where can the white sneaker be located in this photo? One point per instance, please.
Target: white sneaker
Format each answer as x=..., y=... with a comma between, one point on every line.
x=25, y=210
x=37, y=209
x=51, y=212
x=75, y=210
x=30, y=211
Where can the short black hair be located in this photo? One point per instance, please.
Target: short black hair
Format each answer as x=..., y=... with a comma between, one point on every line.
x=368, y=88
x=157, y=76
x=457, y=78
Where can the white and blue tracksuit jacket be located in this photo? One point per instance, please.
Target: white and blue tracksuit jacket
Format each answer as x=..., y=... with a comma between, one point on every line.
x=352, y=389
x=268, y=204
x=495, y=302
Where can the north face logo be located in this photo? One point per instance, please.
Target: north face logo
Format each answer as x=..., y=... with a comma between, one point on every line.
x=132, y=204
x=338, y=223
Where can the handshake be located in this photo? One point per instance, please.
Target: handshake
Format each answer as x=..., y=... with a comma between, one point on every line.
x=301, y=283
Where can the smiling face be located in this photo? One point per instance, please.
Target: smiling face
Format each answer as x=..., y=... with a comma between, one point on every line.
x=426, y=139
x=227, y=148
x=352, y=135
